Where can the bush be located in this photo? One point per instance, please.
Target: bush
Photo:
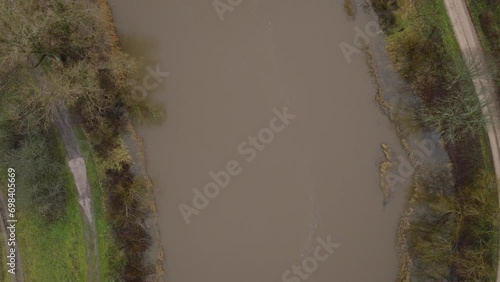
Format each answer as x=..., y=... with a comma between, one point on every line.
x=386, y=9
x=127, y=212
x=42, y=176
x=455, y=230
x=456, y=117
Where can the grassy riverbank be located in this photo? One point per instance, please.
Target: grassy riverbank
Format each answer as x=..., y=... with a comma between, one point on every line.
x=111, y=259
x=453, y=234
x=64, y=57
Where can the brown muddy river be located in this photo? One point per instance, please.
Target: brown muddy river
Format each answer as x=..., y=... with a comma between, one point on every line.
x=279, y=135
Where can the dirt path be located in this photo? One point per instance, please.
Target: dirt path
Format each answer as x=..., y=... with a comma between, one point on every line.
x=79, y=171
x=77, y=165
x=472, y=50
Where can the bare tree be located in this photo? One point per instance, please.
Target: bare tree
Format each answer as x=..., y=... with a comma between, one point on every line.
x=459, y=114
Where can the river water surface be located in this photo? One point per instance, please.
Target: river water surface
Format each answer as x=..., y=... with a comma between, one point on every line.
x=317, y=178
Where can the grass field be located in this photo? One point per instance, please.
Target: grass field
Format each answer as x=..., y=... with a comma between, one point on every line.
x=55, y=251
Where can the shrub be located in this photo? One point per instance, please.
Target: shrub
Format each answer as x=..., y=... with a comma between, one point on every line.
x=455, y=117
x=41, y=176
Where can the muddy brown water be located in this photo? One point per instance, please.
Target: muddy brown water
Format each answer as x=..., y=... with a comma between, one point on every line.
x=317, y=178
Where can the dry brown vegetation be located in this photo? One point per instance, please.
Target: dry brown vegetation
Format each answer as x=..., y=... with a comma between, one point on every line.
x=385, y=167
x=350, y=8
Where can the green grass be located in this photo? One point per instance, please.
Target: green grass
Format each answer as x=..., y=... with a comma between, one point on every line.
x=436, y=11
x=110, y=258
x=55, y=251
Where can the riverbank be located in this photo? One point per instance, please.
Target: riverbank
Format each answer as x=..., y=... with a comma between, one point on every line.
x=423, y=48
x=95, y=219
